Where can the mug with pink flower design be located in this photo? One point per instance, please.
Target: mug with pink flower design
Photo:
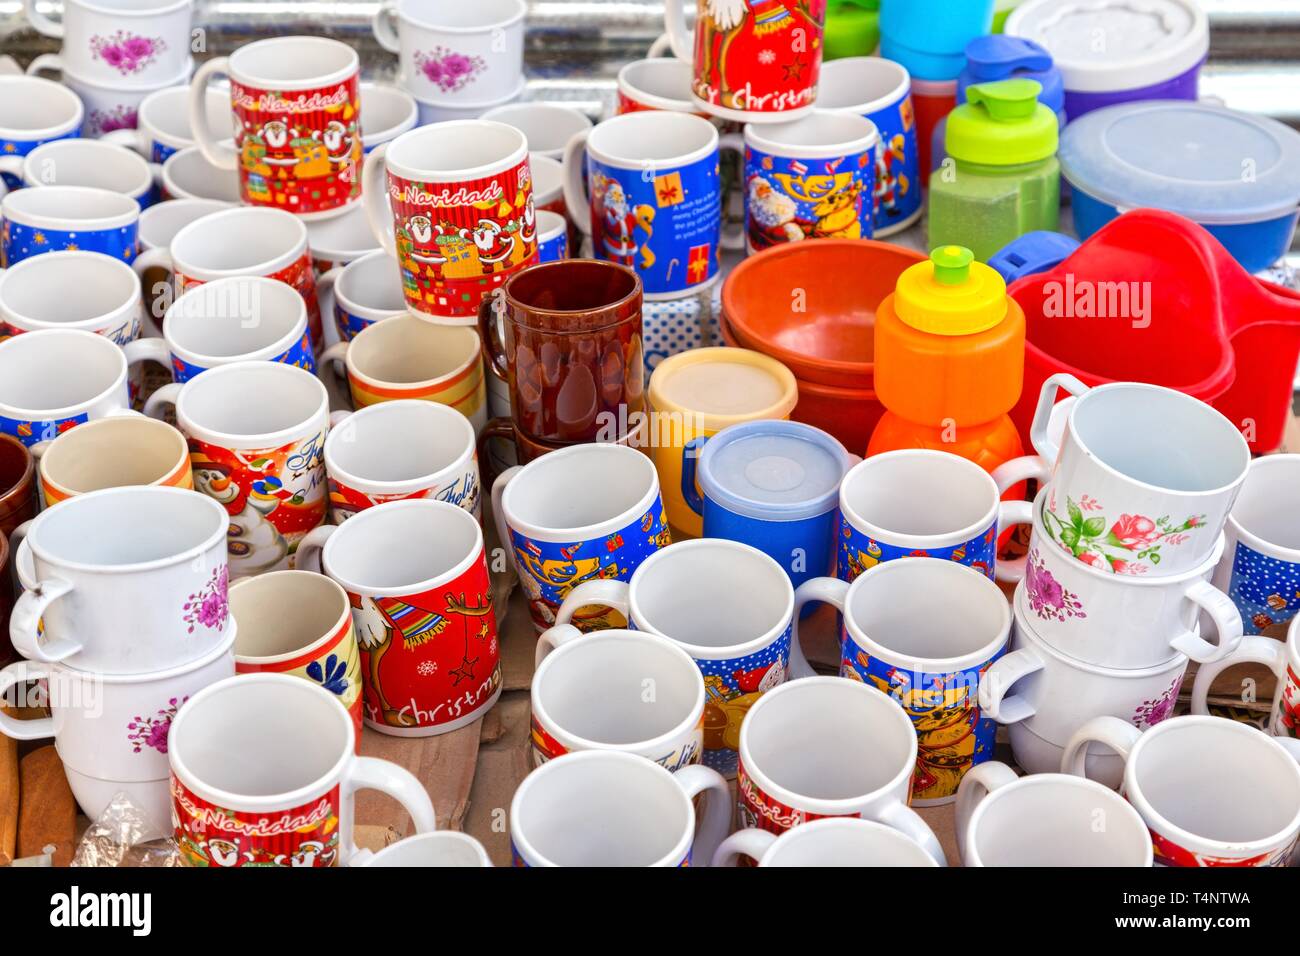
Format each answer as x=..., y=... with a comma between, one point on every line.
x=128, y=43
x=1143, y=478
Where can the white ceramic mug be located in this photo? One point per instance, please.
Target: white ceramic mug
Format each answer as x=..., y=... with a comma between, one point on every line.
x=264, y=770
x=361, y=293
x=111, y=731
x=1282, y=658
x=547, y=126
x=456, y=54
x=829, y=747
x=399, y=450
x=151, y=555
x=1045, y=819
x=340, y=241
x=188, y=174
x=34, y=111
x=85, y=162
x=1144, y=477
x=924, y=631
x=110, y=107
x=160, y=223
x=386, y=113
x=831, y=842
x=441, y=848
x=95, y=293
x=163, y=123
x=1213, y=792
x=606, y=808
x=123, y=42
x=657, y=83
x=40, y=221
x=628, y=691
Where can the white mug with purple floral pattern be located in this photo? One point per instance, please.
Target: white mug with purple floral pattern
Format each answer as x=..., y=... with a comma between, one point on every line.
x=123, y=581
x=456, y=54
x=128, y=43
x=1144, y=477
x=1048, y=695
x=1122, y=620
x=110, y=107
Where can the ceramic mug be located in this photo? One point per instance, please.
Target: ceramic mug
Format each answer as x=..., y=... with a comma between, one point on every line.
x=930, y=656
x=299, y=623
x=417, y=578
x=1212, y=792
x=407, y=356
x=440, y=848
x=152, y=555
x=577, y=514
x=1282, y=658
x=552, y=236
x=1144, y=478
x=627, y=691
x=655, y=198
x=922, y=503
x=467, y=54
x=35, y=111
x=84, y=162
x=430, y=111
x=656, y=83
x=386, y=113
x=114, y=453
x=399, y=450
x=342, y=240
x=829, y=747
x=241, y=241
x=188, y=174
x=607, y=808
x=880, y=90
x=256, y=432
x=19, y=500
x=547, y=126
x=361, y=293
x=54, y=379
x=460, y=200
x=112, y=731
x=1075, y=821
x=99, y=294
x=160, y=223
x=753, y=63
x=162, y=126
x=726, y=604
x=264, y=772
x=1045, y=696
x=38, y=221
x=297, y=135
x=810, y=178
x=829, y=842
x=239, y=319
x=123, y=43
x=110, y=107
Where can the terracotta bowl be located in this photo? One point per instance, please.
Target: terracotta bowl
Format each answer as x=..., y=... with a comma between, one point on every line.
x=839, y=283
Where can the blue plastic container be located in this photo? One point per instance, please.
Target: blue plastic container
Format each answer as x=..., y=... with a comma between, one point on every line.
x=773, y=485
x=1032, y=253
x=929, y=37
x=1236, y=174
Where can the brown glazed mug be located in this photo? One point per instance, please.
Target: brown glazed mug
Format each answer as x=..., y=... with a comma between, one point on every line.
x=566, y=335
x=6, y=601
x=17, y=484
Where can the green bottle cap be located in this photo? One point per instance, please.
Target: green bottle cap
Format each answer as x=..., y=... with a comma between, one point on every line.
x=951, y=264
x=852, y=28
x=1002, y=124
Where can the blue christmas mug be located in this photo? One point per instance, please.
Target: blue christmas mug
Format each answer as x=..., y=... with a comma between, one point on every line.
x=810, y=178
x=236, y=319
x=881, y=90
x=921, y=503
x=924, y=632
x=34, y=111
x=84, y=162
x=727, y=605
x=655, y=198
x=773, y=485
x=359, y=294
x=68, y=218
x=552, y=236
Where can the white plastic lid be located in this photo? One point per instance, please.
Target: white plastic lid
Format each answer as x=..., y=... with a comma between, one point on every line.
x=1187, y=158
x=1105, y=45
x=773, y=470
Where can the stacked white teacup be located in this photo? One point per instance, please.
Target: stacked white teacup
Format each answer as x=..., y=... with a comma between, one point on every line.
x=124, y=617
x=1114, y=597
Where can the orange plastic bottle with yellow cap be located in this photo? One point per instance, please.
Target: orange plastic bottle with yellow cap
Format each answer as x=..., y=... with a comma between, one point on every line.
x=950, y=360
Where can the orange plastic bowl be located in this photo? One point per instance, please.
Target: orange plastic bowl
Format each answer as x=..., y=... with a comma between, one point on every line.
x=812, y=305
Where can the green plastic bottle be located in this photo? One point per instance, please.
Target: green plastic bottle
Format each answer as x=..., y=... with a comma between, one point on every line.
x=1001, y=179
x=852, y=28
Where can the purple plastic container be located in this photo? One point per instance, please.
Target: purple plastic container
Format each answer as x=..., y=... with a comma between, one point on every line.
x=1181, y=87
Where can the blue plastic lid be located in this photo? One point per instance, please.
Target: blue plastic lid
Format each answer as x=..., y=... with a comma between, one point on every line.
x=773, y=470
x=1208, y=163
x=1032, y=253
x=1001, y=57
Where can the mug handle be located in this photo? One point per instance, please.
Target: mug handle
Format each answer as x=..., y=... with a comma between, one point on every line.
x=551, y=638
x=899, y=816
x=1000, y=678
x=132, y=139
x=325, y=297
x=371, y=773
x=691, y=455
x=662, y=44
x=499, y=515
x=1118, y=735
x=41, y=22
x=979, y=781
x=1043, y=413
x=697, y=779
x=149, y=350
x=752, y=843
x=25, y=621
x=491, y=307
x=830, y=591
x=308, y=555
x=502, y=428
x=374, y=195
x=51, y=62
x=735, y=237
x=1251, y=650
x=575, y=194
x=217, y=153
x=1013, y=472
x=612, y=594
x=336, y=353
x=679, y=38
x=161, y=399
x=382, y=26
x=21, y=672
x=1227, y=623
x=1010, y=514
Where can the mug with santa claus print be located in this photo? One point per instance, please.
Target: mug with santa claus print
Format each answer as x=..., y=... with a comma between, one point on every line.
x=754, y=61
x=459, y=196
x=296, y=104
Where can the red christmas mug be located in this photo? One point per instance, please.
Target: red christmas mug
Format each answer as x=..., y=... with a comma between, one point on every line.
x=297, y=123
x=416, y=575
x=459, y=196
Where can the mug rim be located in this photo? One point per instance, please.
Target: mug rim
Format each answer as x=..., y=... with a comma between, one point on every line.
x=130, y=213
x=654, y=100
x=309, y=649
x=106, y=149
x=260, y=439
x=341, y=257
x=86, y=404
x=247, y=78
x=274, y=264
x=404, y=844
x=615, y=305
x=182, y=462
x=95, y=323
x=177, y=191
x=397, y=95
x=39, y=137
x=1251, y=539
x=265, y=353
x=355, y=308
x=812, y=827
x=397, y=486
x=403, y=13
x=169, y=207
x=901, y=90
x=688, y=121
x=349, y=359
x=449, y=129
x=761, y=137
x=131, y=12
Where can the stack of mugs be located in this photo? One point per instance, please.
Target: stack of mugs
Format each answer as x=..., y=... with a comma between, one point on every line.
x=1116, y=596
x=117, y=53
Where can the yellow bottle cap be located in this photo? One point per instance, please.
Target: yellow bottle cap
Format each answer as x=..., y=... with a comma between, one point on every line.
x=952, y=294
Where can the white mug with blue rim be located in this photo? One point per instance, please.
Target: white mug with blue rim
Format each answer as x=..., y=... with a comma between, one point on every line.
x=85, y=162
x=69, y=217
x=35, y=111
x=552, y=236
x=360, y=294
